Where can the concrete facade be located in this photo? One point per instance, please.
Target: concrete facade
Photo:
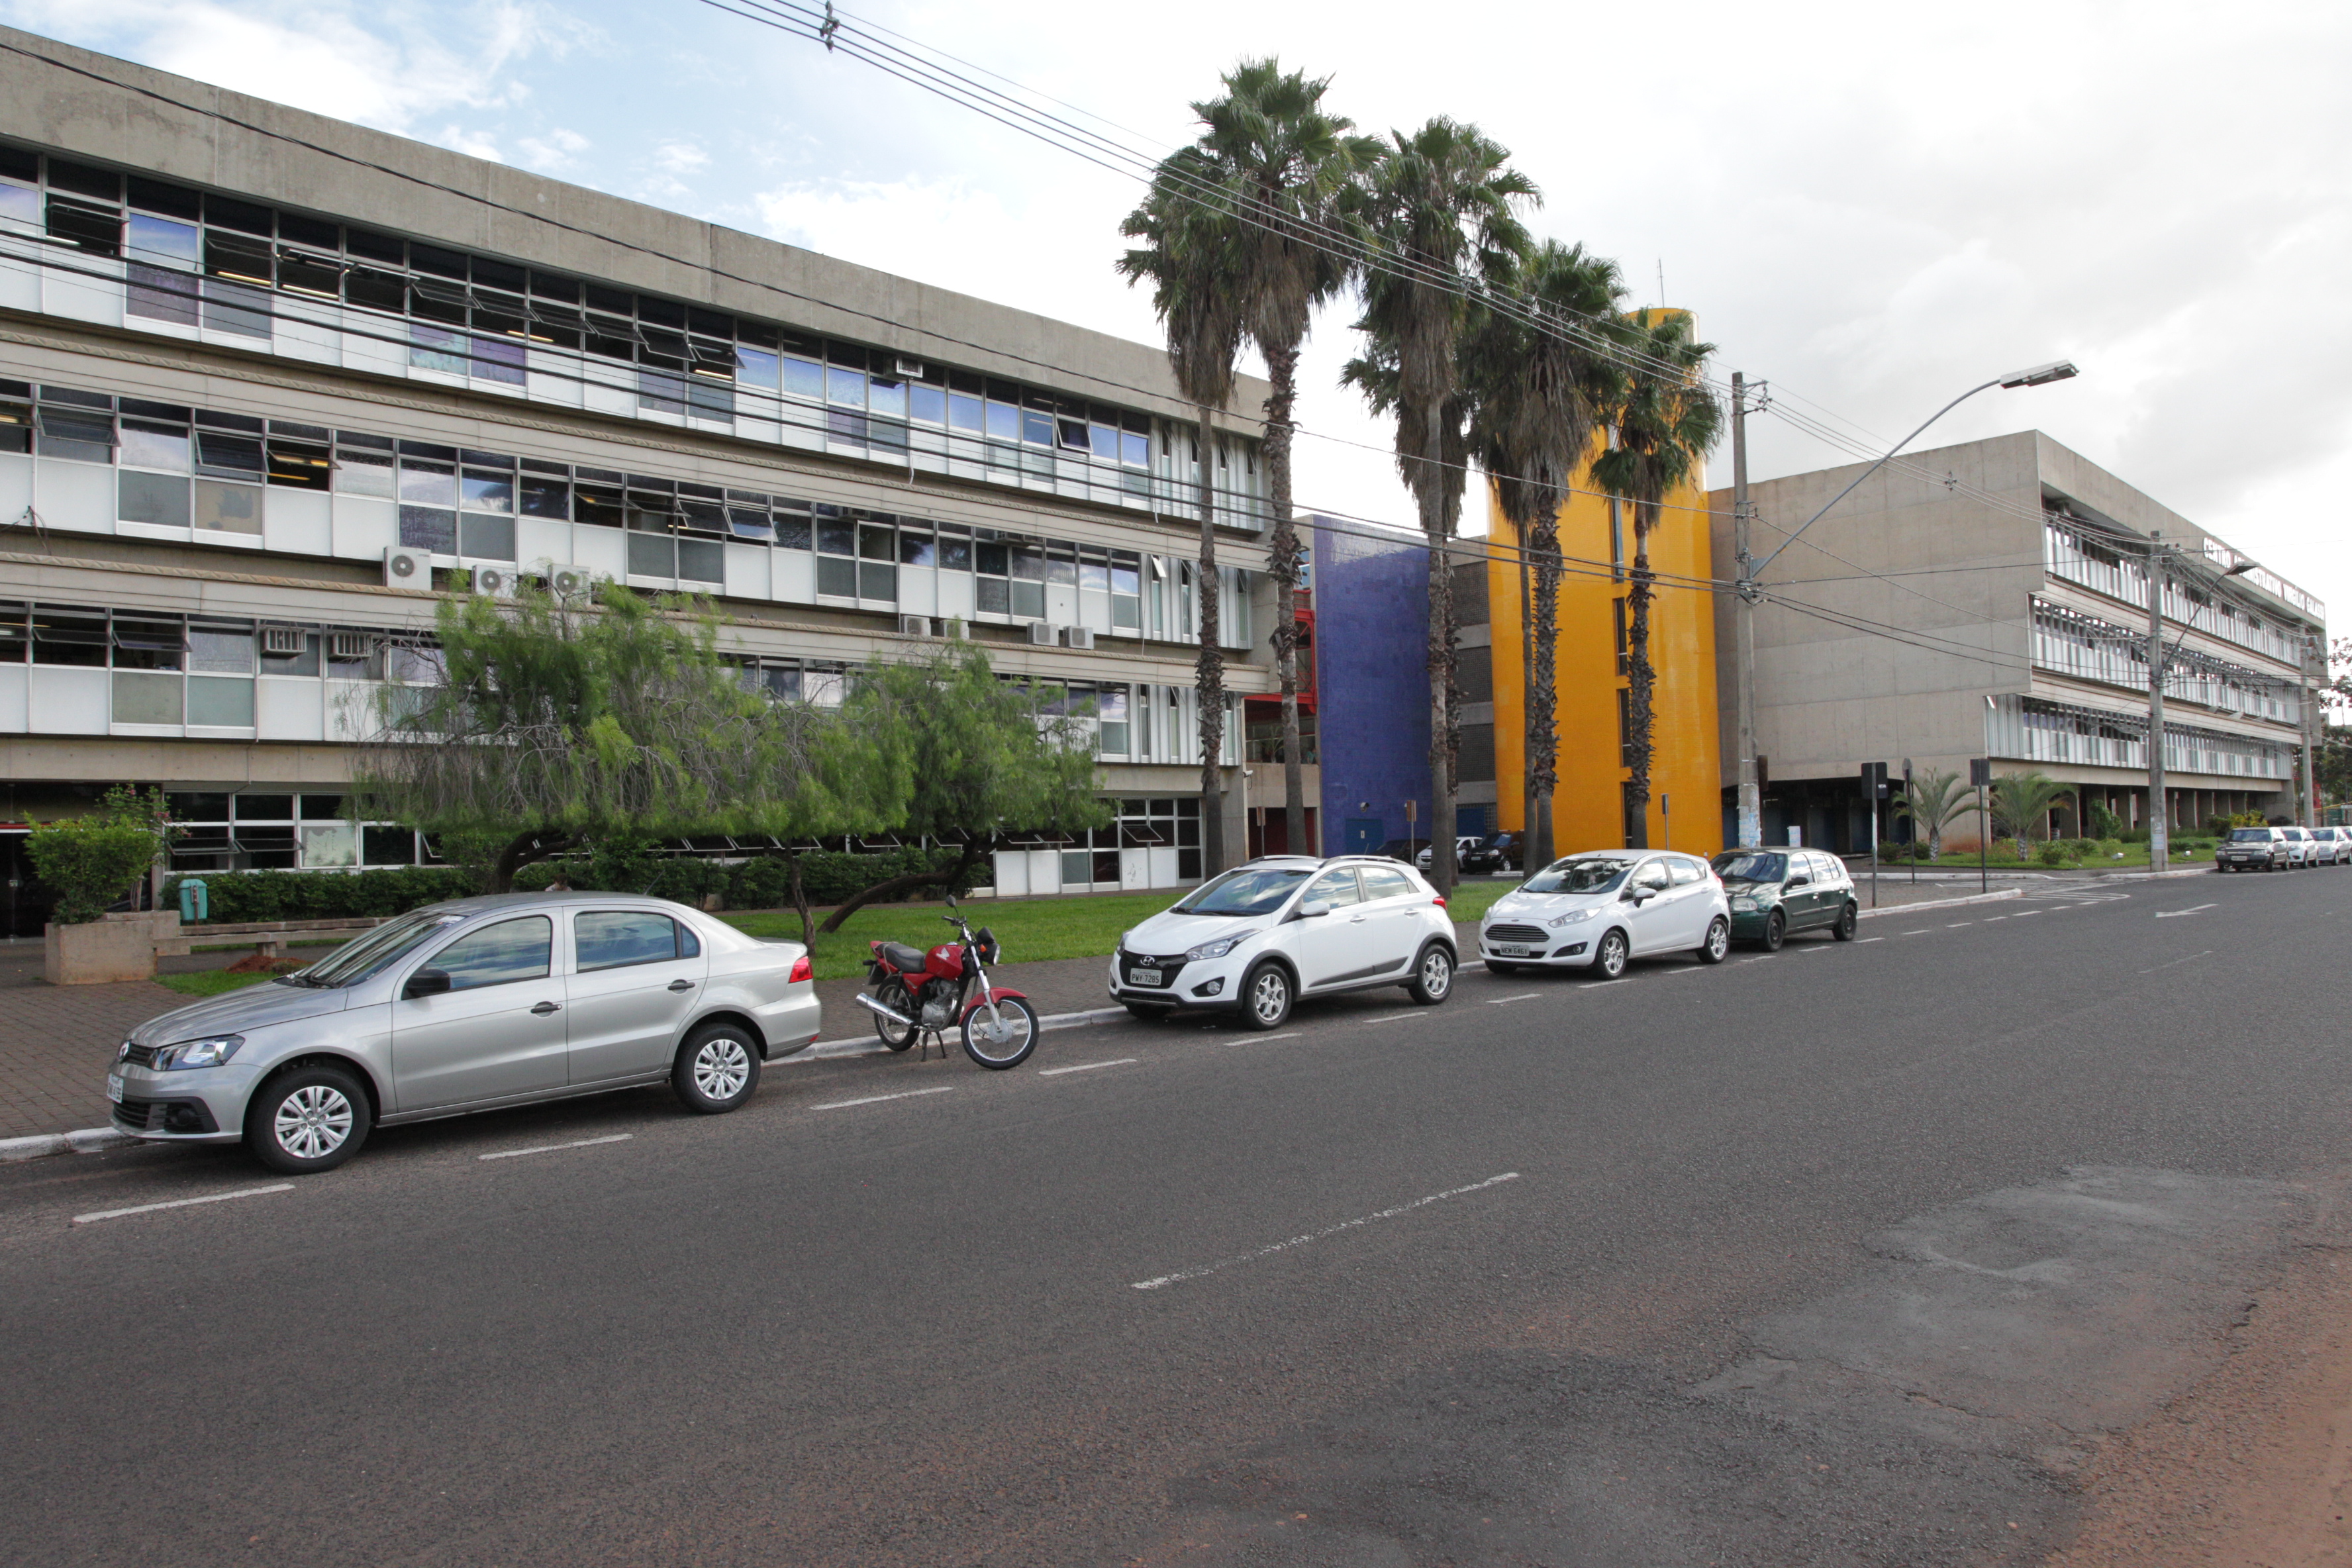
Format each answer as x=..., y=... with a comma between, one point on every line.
x=271, y=385
x=1985, y=600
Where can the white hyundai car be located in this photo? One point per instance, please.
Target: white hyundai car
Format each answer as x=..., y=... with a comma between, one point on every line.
x=1598, y=911
x=1281, y=928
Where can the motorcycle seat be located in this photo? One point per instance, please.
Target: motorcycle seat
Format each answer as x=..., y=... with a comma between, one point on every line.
x=904, y=958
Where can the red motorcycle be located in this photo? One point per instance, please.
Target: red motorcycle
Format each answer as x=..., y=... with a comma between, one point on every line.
x=917, y=995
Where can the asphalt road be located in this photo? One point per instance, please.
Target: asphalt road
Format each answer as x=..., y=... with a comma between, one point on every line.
x=1676, y=1270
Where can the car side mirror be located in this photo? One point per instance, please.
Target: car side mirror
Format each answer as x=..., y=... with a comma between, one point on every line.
x=1640, y=894
x=1313, y=908
x=426, y=982
x=1801, y=882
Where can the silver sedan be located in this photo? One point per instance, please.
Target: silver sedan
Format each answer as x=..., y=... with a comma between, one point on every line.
x=471, y=1005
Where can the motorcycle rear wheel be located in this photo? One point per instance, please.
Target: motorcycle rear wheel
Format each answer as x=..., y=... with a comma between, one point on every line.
x=892, y=994
x=984, y=1045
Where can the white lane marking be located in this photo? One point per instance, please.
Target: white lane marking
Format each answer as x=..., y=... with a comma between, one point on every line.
x=551, y=1148
x=1866, y=942
x=1522, y=996
x=2190, y=959
x=1179, y=1278
x=878, y=1099
x=1955, y=925
x=1923, y=930
x=2174, y=914
x=184, y=1202
x=1088, y=1066
x=1760, y=957
x=1990, y=918
x=2023, y=914
x=1250, y=1040
x=1388, y=1017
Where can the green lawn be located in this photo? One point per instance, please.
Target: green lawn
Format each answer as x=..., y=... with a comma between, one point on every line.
x=1028, y=929
x=2134, y=856
x=207, y=982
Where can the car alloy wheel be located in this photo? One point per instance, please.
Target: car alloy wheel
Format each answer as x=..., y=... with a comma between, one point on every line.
x=1433, y=978
x=1266, y=997
x=1718, y=944
x=717, y=1069
x=1609, y=958
x=308, y=1119
x=721, y=1068
x=313, y=1122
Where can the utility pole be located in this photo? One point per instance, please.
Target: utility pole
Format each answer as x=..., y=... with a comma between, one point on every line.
x=2308, y=693
x=1751, y=812
x=2159, y=814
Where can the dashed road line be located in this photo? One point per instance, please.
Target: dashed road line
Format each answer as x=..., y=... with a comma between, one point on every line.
x=551, y=1148
x=2190, y=959
x=1522, y=996
x=878, y=1099
x=1180, y=1276
x=1866, y=942
x=186, y=1203
x=1955, y=925
x=1923, y=930
x=1389, y=1018
x=1088, y=1066
x=1247, y=1039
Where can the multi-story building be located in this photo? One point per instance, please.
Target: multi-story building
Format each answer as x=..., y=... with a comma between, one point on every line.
x=1990, y=599
x=270, y=385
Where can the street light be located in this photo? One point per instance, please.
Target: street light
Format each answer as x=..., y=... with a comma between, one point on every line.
x=1751, y=805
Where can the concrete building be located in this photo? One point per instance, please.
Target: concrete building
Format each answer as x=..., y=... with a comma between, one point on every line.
x=270, y=383
x=1990, y=599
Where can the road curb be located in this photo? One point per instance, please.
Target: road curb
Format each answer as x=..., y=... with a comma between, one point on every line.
x=1947, y=903
x=87, y=1141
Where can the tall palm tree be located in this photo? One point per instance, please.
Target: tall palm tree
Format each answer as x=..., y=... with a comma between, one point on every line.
x=2021, y=803
x=1937, y=798
x=1437, y=216
x=1284, y=168
x=1664, y=422
x=1540, y=396
x=1188, y=256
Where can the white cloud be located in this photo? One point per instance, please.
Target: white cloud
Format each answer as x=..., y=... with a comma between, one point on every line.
x=680, y=157
x=554, y=150
x=473, y=143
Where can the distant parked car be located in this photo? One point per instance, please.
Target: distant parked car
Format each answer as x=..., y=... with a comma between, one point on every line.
x=1775, y=892
x=1462, y=847
x=2301, y=846
x=2255, y=849
x=2335, y=845
x=1500, y=853
x=1596, y=910
x=1411, y=851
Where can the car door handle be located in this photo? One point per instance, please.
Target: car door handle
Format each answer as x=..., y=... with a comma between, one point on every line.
x=681, y=984
x=544, y=1008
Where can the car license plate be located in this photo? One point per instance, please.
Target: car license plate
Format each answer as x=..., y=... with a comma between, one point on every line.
x=114, y=1087
x=1145, y=977
x=1501, y=952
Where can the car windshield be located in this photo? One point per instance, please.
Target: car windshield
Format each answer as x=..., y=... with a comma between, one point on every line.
x=1250, y=891
x=1600, y=875
x=2250, y=836
x=384, y=945
x=1751, y=866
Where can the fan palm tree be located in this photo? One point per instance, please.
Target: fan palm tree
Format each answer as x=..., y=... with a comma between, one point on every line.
x=1188, y=256
x=1284, y=168
x=2021, y=803
x=1664, y=422
x=1540, y=396
x=1937, y=798
x=1437, y=216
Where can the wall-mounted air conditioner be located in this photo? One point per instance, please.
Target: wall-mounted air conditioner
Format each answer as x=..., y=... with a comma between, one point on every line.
x=498, y=581
x=404, y=568
x=912, y=369
x=954, y=629
x=569, y=581
x=281, y=640
x=350, y=645
x=1078, y=636
x=914, y=626
x=1043, y=633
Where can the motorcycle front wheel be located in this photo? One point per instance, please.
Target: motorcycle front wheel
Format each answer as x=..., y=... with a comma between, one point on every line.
x=892, y=994
x=1006, y=1043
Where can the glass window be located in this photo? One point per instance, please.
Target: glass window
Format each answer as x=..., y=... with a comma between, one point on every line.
x=162, y=242
x=964, y=413
x=98, y=230
x=874, y=541
x=1752, y=867
x=1379, y=882
x=888, y=397
x=1134, y=450
x=845, y=388
x=1337, y=889
x=144, y=698
x=364, y=473
x=835, y=538
x=220, y=702
x=220, y=650
x=754, y=368
x=1036, y=428
x=701, y=560
x=1588, y=874
x=388, y=847
x=20, y=204
x=1685, y=872
x=159, y=500
x=1653, y=875
x=1003, y=421
x=81, y=434
x=928, y=404
x=428, y=528
x=498, y=955
x=299, y=465
x=652, y=556
x=427, y=484
x=803, y=378
x=611, y=938
x=916, y=549
x=1245, y=891
x=485, y=538
x=482, y=491
x=955, y=553
x=545, y=497
x=227, y=509
x=749, y=522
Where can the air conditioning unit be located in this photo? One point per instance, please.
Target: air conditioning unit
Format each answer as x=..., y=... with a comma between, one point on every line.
x=1078, y=636
x=914, y=626
x=1043, y=633
x=498, y=581
x=569, y=581
x=912, y=369
x=954, y=629
x=281, y=639
x=407, y=568
x=350, y=645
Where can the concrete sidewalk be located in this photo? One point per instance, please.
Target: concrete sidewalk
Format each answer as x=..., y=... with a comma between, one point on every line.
x=55, y=1042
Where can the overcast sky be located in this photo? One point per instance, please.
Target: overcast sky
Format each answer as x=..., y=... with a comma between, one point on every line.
x=1871, y=207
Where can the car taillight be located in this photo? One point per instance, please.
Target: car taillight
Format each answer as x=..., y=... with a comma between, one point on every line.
x=800, y=969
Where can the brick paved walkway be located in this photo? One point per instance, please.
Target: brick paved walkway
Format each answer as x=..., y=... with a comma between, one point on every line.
x=56, y=1040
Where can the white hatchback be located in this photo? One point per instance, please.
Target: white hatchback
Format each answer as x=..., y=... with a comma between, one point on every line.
x=1599, y=909
x=1284, y=927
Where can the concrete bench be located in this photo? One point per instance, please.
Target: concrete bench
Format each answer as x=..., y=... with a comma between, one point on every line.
x=269, y=937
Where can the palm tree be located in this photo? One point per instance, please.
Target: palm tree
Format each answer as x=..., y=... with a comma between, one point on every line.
x=1437, y=218
x=1284, y=169
x=1540, y=396
x=1937, y=799
x=2021, y=803
x=1664, y=422
x=1188, y=257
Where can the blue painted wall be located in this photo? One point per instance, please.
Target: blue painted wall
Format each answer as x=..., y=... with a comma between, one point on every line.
x=1372, y=641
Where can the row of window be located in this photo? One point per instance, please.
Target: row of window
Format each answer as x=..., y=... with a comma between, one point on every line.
x=2074, y=555
x=2058, y=732
x=2089, y=648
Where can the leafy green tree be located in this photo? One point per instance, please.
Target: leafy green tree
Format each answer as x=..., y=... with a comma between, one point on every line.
x=984, y=757
x=93, y=861
x=2021, y=803
x=1665, y=423
x=1540, y=396
x=1937, y=798
x=1437, y=216
x=560, y=721
x=1189, y=256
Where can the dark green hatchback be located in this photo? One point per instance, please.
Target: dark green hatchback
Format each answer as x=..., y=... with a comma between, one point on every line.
x=1775, y=893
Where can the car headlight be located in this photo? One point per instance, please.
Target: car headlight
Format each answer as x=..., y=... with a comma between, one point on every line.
x=1746, y=902
x=208, y=1052
x=1217, y=949
x=1572, y=917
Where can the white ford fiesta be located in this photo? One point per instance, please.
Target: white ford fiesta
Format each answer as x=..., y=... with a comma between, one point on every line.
x=1599, y=909
x=1284, y=927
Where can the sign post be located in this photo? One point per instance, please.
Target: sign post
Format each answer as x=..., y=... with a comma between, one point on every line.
x=1981, y=775
x=1873, y=787
x=1911, y=804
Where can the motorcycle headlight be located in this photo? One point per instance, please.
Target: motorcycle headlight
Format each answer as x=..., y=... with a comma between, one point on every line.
x=208, y=1052
x=1573, y=917
x=1217, y=949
